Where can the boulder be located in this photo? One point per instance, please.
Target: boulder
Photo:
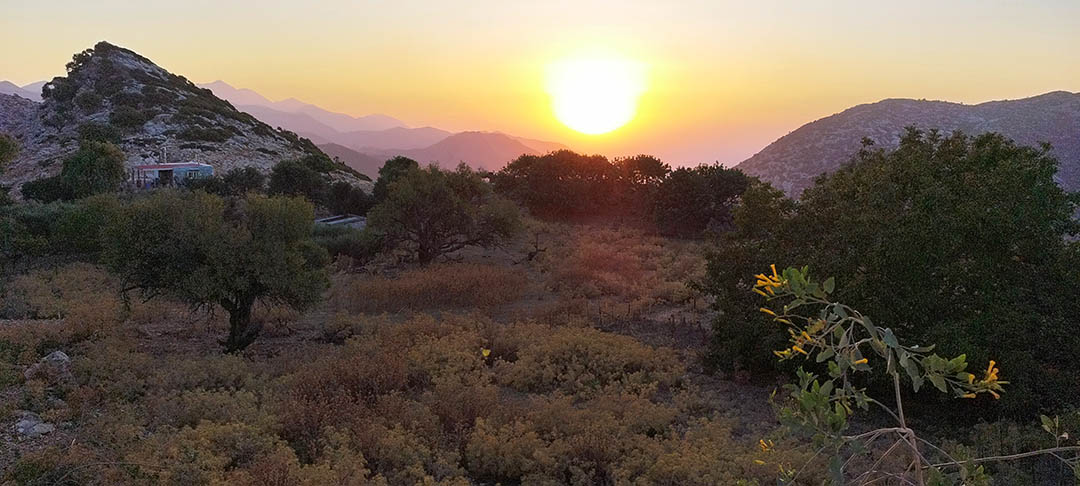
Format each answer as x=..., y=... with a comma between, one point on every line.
x=30, y=425
x=54, y=368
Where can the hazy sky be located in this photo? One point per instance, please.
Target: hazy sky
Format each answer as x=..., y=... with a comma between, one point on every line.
x=724, y=78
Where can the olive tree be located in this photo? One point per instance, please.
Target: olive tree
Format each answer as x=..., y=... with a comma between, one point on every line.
x=431, y=212
x=207, y=251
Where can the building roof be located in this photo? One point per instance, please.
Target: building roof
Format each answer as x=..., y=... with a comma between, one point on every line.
x=177, y=165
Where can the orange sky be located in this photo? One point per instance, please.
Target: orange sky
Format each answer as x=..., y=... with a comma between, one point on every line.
x=724, y=78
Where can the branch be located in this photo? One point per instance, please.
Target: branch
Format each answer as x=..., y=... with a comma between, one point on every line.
x=1011, y=457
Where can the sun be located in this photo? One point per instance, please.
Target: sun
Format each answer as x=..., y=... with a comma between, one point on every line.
x=595, y=94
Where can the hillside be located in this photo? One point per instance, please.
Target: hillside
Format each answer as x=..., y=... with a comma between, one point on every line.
x=115, y=94
x=363, y=163
x=793, y=161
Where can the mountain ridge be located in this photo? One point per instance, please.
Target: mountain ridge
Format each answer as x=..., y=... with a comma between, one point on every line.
x=115, y=94
x=792, y=161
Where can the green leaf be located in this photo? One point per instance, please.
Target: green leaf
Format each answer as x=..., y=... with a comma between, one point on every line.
x=824, y=355
x=830, y=285
x=1047, y=424
x=938, y=382
x=890, y=339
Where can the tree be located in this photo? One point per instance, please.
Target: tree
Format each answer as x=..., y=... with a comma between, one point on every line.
x=431, y=212
x=961, y=241
x=236, y=182
x=96, y=168
x=391, y=171
x=561, y=184
x=297, y=178
x=345, y=198
x=692, y=201
x=206, y=251
x=242, y=180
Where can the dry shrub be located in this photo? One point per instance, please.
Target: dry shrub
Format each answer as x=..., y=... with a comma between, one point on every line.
x=443, y=286
x=593, y=262
x=86, y=290
x=583, y=361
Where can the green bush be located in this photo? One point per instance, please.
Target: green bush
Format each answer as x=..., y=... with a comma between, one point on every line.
x=201, y=134
x=360, y=245
x=129, y=118
x=960, y=241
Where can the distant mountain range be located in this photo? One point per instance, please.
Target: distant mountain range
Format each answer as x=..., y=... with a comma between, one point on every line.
x=793, y=161
x=365, y=142
x=31, y=91
x=115, y=94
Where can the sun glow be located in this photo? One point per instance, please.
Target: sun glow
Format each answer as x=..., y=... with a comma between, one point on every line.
x=595, y=94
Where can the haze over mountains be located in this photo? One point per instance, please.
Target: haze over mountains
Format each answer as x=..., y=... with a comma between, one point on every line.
x=361, y=141
x=792, y=162
x=31, y=91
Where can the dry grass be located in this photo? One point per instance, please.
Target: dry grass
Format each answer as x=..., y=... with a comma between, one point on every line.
x=444, y=286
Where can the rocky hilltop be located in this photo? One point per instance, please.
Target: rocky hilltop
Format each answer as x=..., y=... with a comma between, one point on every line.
x=793, y=161
x=114, y=94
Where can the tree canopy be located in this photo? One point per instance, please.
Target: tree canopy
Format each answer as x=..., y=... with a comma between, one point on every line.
x=957, y=240
x=430, y=212
x=209, y=251
x=391, y=171
x=96, y=168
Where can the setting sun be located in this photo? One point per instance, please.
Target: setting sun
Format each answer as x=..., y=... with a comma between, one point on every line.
x=595, y=94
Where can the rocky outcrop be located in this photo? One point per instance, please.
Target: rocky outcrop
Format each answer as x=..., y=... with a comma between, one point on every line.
x=793, y=161
x=114, y=94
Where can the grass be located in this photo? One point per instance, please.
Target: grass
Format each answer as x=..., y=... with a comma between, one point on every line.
x=493, y=370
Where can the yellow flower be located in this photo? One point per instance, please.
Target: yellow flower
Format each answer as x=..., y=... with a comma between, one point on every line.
x=763, y=294
x=759, y=462
x=969, y=395
x=861, y=361
x=768, y=311
x=796, y=348
x=996, y=396
x=774, y=275
x=765, y=446
x=485, y=352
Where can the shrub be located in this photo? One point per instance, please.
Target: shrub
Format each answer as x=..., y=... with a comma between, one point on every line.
x=585, y=361
x=435, y=287
x=45, y=189
x=201, y=134
x=359, y=245
x=129, y=118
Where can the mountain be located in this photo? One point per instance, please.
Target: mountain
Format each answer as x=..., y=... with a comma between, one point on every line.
x=541, y=145
x=363, y=163
x=793, y=161
x=244, y=98
x=481, y=150
x=9, y=88
x=391, y=138
x=113, y=93
x=377, y=135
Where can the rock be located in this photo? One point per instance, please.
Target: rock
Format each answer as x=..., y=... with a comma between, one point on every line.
x=30, y=425
x=54, y=368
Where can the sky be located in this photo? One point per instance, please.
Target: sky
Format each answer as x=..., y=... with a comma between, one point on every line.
x=722, y=78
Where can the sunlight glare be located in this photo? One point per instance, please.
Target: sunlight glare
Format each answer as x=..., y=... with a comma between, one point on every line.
x=595, y=94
